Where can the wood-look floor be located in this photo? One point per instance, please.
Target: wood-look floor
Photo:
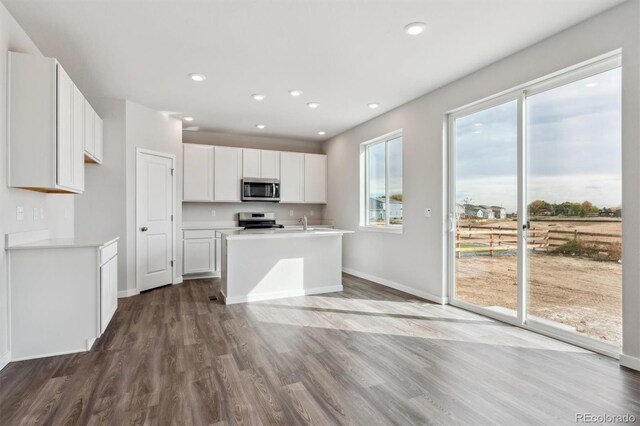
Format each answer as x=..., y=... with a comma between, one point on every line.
x=368, y=355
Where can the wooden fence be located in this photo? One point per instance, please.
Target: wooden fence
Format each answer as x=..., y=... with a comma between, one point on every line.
x=491, y=239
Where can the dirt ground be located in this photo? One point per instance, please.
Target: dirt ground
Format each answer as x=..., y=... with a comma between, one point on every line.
x=578, y=292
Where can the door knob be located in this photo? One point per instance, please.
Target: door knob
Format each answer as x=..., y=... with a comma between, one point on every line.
x=144, y=229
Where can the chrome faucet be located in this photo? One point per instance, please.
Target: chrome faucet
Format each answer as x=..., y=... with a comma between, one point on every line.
x=303, y=221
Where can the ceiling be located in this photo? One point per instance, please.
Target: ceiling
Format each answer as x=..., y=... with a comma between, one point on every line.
x=342, y=54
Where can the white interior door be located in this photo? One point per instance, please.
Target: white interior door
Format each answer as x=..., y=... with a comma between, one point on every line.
x=154, y=221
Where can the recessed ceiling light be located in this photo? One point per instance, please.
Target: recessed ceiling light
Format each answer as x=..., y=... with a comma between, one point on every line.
x=478, y=124
x=260, y=126
x=477, y=132
x=295, y=92
x=591, y=84
x=313, y=104
x=258, y=97
x=197, y=77
x=187, y=118
x=415, y=28
x=374, y=105
x=322, y=133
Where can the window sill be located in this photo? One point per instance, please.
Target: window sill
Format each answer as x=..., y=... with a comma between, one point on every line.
x=383, y=229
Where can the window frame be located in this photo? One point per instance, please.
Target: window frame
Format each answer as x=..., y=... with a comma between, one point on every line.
x=364, y=224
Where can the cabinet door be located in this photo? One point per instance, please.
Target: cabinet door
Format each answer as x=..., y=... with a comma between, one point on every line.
x=65, y=153
x=251, y=163
x=78, y=140
x=98, y=137
x=108, y=292
x=315, y=178
x=227, y=173
x=270, y=164
x=89, y=136
x=291, y=177
x=199, y=255
x=197, y=172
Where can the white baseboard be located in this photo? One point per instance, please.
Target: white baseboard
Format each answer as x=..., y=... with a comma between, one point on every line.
x=128, y=293
x=630, y=361
x=47, y=355
x=387, y=283
x=5, y=359
x=177, y=280
x=196, y=276
x=281, y=294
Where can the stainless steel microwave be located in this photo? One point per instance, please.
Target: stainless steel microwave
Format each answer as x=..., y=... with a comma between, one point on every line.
x=257, y=189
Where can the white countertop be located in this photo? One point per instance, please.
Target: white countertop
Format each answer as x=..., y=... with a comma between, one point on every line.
x=52, y=243
x=281, y=233
x=234, y=225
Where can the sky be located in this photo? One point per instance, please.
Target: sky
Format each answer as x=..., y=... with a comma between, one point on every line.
x=573, y=147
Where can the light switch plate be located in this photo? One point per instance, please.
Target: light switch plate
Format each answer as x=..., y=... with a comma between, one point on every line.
x=290, y=212
x=41, y=213
x=427, y=212
x=213, y=213
x=19, y=213
x=36, y=213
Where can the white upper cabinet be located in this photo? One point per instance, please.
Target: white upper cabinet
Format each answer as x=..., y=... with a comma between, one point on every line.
x=269, y=164
x=92, y=135
x=197, y=172
x=214, y=173
x=291, y=177
x=260, y=163
x=46, y=126
x=315, y=178
x=227, y=171
x=250, y=163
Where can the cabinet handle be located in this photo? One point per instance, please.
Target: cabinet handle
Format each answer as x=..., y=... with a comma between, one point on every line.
x=144, y=229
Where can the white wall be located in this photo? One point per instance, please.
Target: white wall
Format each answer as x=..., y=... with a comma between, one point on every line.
x=225, y=213
x=252, y=141
x=146, y=128
x=108, y=206
x=58, y=209
x=101, y=209
x=416, y=258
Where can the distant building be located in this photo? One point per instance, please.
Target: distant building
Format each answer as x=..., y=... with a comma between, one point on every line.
x=460, y=212
x=377, y=208
x=499, y=212
x=481, y=212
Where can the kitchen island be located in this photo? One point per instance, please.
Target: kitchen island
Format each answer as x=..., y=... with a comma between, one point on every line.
x=266, y=264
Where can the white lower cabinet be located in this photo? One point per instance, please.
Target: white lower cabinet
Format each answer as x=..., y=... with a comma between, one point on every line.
x=108, y=290
x=64, y=303
x=199, y=251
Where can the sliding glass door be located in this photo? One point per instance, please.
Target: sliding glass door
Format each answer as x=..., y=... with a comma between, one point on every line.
x=486, y=188
x=574, y=199
x=536, y=209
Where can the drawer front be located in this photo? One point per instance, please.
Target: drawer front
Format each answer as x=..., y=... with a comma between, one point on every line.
x=198, y=233
x=108, y=252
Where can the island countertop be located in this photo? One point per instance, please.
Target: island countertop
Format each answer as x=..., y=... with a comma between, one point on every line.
x=250, y=234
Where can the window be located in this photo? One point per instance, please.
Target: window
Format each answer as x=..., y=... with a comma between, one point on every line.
x=381, y=188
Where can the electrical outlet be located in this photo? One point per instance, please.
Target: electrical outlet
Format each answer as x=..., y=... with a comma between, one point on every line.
x=213, y=213
x=41, y=213
x=290, y=212
x=19, y=213
x=427, y=212
x=312, y=213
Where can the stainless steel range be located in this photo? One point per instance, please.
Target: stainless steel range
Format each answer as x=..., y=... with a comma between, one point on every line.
x=258, y=220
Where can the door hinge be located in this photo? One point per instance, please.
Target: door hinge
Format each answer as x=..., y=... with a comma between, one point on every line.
x=172, y=263
x=172, y=170
x=171, y=218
